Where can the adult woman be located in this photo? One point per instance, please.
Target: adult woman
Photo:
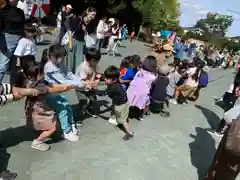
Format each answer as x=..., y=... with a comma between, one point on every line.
x=77, y=32
x=12, y=28
x=102, y=29
x=113, y=37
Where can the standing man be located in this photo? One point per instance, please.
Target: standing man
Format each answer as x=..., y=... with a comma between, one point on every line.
x=180, y=49
x=65, y=21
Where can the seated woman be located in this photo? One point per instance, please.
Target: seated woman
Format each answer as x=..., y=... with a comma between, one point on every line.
x=190, y=84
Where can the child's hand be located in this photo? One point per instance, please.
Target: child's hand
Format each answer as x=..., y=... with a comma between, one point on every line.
x=95, y=83
x=17, y=96
x=70, y=87
x=87, y=84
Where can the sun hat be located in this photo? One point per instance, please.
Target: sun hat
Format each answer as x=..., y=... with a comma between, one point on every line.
x=168, y=47
x=69, y=6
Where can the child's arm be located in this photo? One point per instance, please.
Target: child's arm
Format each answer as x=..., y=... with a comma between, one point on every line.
x=70, y=79
x=58, y=88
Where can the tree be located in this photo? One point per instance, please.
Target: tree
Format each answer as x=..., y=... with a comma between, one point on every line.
x=160, y=14
x=215, y=25
x=114, y=6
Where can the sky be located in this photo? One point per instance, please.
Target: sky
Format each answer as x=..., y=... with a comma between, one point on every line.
x=192, y=10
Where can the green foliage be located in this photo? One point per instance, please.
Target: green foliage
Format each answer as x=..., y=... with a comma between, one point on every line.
x=114, y=6
x=215, y=24
x=160, y=14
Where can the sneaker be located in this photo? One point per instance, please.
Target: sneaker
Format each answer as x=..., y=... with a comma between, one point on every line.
x=7, y=175
x=173, y=101
x=217, y=99
x=128, y=137
x=214, y=133
x=164, y=114
x=40, y=145
x=90, y=113
x=142, y=118
x=47, y=139
x=79, y=124
x=113, y=121
x=74, y=129
x=71, y=136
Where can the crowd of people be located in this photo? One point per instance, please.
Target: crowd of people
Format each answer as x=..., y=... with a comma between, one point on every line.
x=174, y=74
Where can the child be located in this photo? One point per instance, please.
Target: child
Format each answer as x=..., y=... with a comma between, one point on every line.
x=56, y=73
x=119, y=99
x=174, y=77
x=87, y=72
x=159, y=91
x=139, y=89
x=190, y=85
x=26, y=45
x=39, y=116
x=132, y=36
x=127, y=72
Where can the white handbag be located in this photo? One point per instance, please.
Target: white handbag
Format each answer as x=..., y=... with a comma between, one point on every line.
x=65, y=39
x=89, y=41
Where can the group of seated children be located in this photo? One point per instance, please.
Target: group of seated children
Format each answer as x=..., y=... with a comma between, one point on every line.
x=149, y=85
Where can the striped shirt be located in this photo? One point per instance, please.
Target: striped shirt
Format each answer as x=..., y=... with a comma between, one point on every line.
x=5, y=93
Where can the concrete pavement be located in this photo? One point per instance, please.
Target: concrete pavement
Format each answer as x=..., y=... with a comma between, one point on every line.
x=162, y=149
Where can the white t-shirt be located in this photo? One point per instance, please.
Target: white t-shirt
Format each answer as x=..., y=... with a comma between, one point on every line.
x=85, y=72
x=25, y=47
x=190, y=81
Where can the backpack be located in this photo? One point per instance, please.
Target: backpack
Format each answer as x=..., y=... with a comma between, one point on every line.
x=203, y=79
x=233, y=137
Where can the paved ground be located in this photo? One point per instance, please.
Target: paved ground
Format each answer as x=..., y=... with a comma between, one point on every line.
x=163, y=149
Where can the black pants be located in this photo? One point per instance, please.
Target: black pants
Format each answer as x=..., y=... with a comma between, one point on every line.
x=86, y=98
x=221, y=127
x=229, y=100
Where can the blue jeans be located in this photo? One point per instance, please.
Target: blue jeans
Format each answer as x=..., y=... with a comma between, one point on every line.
x=63, y=111
x=99, y=43
x=8, y=44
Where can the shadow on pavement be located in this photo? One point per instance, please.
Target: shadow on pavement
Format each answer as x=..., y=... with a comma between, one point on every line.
x=202, y=150
x=212, y=118
x=79, y=116
x=12, y=137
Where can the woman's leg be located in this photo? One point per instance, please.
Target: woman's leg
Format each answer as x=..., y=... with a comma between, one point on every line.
x=71, y=58
x=79, y=57
x=8, y=45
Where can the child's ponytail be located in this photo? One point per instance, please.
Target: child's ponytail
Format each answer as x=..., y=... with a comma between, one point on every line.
x=45, y=57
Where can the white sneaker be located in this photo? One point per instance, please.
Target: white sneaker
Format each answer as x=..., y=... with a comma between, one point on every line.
x=74, y=129
x=113, y=121
x=214, y=133
x=172, y=101
x=71, y=136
